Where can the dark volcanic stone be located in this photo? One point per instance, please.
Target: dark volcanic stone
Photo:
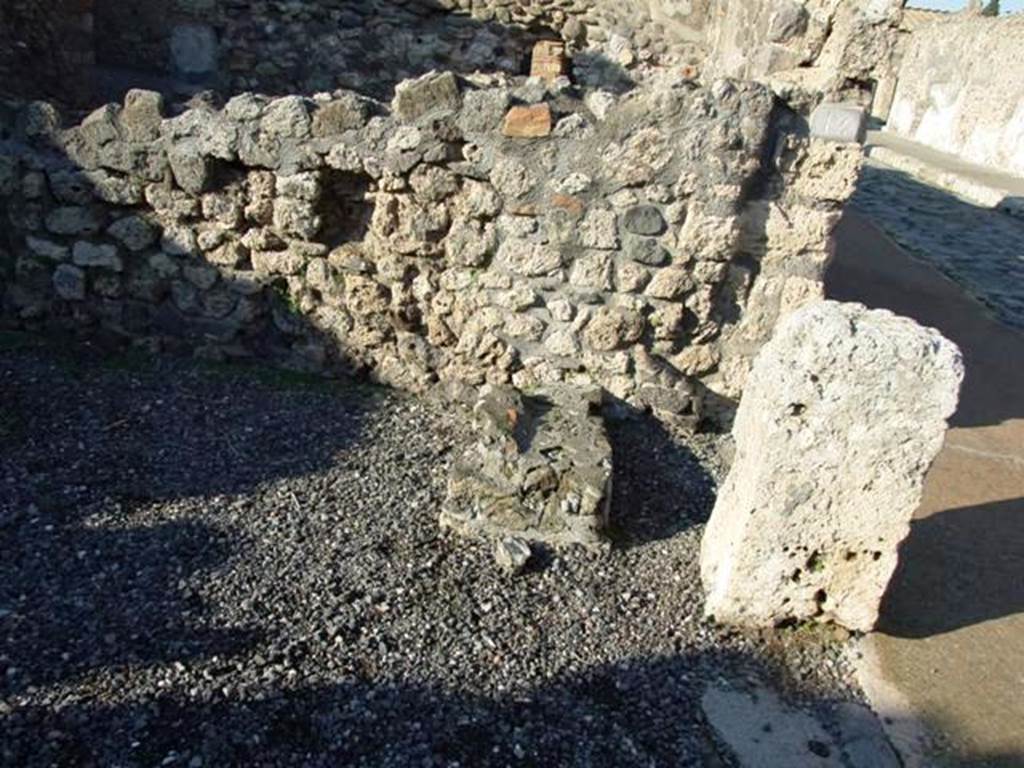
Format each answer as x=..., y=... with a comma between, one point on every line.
x=643, y=220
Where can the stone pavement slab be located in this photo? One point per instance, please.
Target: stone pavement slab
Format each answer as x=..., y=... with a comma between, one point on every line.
x=762, y=731
x=949, y=653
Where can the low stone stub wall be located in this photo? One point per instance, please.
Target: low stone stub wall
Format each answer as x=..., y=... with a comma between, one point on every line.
x=961, y=90
x=648, y=244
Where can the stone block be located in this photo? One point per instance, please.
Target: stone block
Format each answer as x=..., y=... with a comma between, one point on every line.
x=191, y=169
x=540, y=469
x=134, y=232
x=193, y=50
x=531, y=122
x=433, y=93
x=142, y=115
x=644, y=220
x=839, y=122
x=345, y=113
x=844, y=410
x=74, y=220
x=86, y=254
x=548, y=60
x=69, y=282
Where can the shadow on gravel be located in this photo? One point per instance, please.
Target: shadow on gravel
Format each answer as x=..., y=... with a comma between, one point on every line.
x=103, y=467
x=637, y=712
x=659, y=487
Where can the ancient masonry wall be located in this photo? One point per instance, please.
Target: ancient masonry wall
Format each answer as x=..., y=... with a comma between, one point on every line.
x=807, y=50
x=646, y=243
x=961, y=90
x=305, y=46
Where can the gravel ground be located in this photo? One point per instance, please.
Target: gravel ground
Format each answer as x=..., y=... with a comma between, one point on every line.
x=203, y=566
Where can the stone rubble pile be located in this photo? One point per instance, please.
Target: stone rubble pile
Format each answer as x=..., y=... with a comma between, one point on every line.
x=842, y=415
x=540, y=470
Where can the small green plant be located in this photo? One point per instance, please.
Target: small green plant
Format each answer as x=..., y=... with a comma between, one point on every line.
x=289, y=300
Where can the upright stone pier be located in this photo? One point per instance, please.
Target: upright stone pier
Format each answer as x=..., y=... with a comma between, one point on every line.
x=844, y=412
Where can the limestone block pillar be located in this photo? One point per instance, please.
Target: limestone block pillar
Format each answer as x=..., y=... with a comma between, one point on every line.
x=842, y=415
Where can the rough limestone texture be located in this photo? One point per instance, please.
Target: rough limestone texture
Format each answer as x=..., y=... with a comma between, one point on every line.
x=806, y=50
x=843, y=413
x=540, y=470
x=648, y=243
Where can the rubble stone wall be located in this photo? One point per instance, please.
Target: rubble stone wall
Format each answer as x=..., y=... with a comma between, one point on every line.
x=648, y=244
x=305, y=46
x=807, y=50
x=961, y=90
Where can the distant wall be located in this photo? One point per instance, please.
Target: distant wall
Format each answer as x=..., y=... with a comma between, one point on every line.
x=961, y=90
x=46, y=48
x=305, y=46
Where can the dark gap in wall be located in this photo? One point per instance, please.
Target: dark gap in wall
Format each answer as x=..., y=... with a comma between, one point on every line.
x=344, y=208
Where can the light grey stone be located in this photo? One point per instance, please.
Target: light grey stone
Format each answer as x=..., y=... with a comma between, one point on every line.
x=522, y=257
x=190, y=167
x=843, y=412
x=512, y=554
x=839, y=122
x=299, y=186
x=670, y=283
x=296, y=218
x=74, y=220
x=116, y=189
x=762, y=732
x=193, y=49
x=100, y=127
x=345, y=112
x=69, y=282
x=179, y=240
x=599, y=230
x=613, y=328
x=142, y=115
x=86, y=254
x=483, y=110
x=432, y=94
x=599, y=103
x=134, y=232
x=287, y=118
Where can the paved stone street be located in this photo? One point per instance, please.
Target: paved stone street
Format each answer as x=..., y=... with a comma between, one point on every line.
x=950, y=646
x=979, y=248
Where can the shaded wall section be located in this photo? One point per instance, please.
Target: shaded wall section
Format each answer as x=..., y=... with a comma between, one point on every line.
x=46, y=49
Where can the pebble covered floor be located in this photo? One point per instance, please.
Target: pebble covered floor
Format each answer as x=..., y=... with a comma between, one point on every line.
x=206, y=565
x=980, y=248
